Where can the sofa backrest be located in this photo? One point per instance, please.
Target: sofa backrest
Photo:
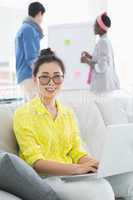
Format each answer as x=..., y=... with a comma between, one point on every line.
x=7, y=138
x=90, y=121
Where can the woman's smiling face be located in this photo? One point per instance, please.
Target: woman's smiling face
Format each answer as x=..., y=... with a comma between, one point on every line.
x=49, y=79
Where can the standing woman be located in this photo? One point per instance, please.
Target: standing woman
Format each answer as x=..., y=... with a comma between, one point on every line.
x=102, y=76
x=48, y=136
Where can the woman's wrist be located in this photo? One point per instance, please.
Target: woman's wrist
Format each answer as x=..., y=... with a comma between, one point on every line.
x=78, y=169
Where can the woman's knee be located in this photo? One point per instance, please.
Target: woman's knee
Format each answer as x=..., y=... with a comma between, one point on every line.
x=104, y=190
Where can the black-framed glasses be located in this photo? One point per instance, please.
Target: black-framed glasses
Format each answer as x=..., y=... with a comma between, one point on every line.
x=57, y=79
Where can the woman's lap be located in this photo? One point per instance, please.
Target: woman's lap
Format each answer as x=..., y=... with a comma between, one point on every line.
x=88, y=189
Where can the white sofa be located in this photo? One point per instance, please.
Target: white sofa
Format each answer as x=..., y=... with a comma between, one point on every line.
x=93, y=114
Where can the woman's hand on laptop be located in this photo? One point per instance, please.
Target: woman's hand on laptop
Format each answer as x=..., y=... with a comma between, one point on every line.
x=91, y=165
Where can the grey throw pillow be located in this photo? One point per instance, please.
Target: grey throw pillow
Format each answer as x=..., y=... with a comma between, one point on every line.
x=20, y=179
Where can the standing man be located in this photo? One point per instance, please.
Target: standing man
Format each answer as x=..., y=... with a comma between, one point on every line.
x=27, y=47
x=102, y=76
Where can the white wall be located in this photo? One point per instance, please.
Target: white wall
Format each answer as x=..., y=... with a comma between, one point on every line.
x=122, y=39
x=10, y=20
x=61, y=11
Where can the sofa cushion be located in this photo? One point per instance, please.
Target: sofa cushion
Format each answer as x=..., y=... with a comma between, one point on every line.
x=7, y=196
x=20, y=179
x=91, y=125
x=112, y=110
x=7, y=138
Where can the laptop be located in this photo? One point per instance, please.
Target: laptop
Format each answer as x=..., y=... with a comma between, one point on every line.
x=117, y=154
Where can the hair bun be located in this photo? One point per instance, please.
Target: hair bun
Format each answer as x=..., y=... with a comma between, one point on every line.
x=47, y=52
x=106, y=20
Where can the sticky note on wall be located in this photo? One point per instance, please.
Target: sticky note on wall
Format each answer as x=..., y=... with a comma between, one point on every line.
x=77, y=74
x=67, y=42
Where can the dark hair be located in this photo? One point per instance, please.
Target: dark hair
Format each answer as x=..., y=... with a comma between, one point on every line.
x=35, y=8
x=47, y=56
x=106, y=20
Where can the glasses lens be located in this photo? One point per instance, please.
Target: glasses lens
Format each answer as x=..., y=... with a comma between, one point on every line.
x=58, y=79
x=44, y=80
